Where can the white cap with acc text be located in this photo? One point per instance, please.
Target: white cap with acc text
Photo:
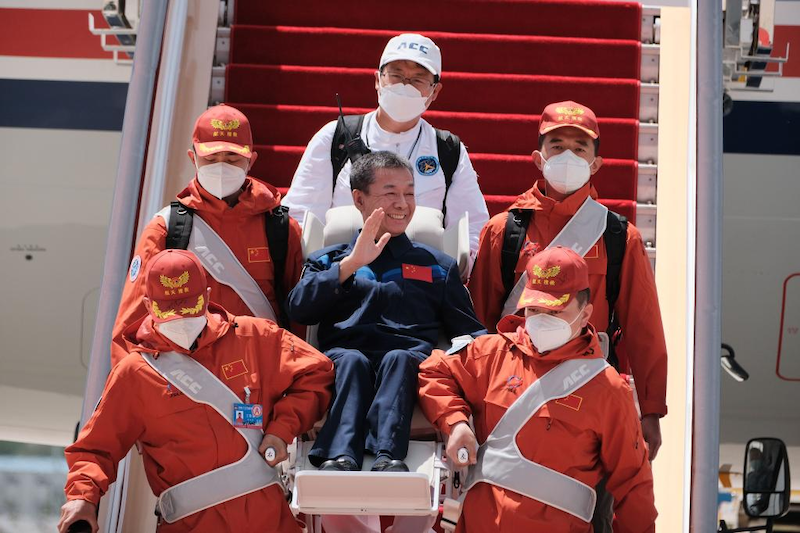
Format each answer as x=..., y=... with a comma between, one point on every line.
x=413, y=47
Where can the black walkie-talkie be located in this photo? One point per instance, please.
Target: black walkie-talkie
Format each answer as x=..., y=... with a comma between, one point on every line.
x=354, y=146
x=81, y=526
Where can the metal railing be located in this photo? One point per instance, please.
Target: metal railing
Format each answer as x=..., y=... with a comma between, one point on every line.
x=150, y=70
x=120, y=28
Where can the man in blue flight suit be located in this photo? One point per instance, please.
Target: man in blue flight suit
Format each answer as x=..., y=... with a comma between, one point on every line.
x=380, y=302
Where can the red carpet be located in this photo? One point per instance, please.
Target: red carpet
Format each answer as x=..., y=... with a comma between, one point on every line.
x=503, y=62
x=557, y=18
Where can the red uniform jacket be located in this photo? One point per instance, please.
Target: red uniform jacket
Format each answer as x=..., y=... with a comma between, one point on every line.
x=242, y=228
x=181, y=439
x=637, y=304
x=590, y=434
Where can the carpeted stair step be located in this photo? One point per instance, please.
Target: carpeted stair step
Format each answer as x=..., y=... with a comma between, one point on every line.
x=497, y=174
x=497, y=204
x=465, y=92
x=498, y=54
x=514, y=174
x=481, y=132
x=626, y=208
x=557, y=18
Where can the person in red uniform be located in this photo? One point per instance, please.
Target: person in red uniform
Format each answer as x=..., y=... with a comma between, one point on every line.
x=234, y=205
x=569, y=136
x=179, y=438
x=592, y=433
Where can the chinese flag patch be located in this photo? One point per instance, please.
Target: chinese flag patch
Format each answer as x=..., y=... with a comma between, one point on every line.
x=258, y=255
x=572, y=401
x=419, y=273
x=234, y=369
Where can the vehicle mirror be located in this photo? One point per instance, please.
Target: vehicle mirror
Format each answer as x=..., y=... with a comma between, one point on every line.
x=767, y=483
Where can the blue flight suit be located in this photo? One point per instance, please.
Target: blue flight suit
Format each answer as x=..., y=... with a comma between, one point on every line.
x=377, y=327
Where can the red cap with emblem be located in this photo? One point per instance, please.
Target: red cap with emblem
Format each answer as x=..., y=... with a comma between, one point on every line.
x=555, y=276
x=222, y=128
x=571, y=114
x=175, y=282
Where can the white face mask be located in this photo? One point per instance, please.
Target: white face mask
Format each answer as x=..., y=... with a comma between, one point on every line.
x=549, y=332
x=183, y=331
x=566, y=172
x=402, y=102
x=221, y=179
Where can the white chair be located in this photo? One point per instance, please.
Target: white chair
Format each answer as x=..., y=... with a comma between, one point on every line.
x=418, y=492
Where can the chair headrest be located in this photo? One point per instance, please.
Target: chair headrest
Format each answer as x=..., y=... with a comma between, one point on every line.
x=341, y=225
x=427, y=227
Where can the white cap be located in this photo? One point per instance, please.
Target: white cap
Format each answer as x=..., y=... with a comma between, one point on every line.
x=413, y=47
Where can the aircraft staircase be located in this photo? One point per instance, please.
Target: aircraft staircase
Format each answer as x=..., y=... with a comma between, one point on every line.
x=502, y=63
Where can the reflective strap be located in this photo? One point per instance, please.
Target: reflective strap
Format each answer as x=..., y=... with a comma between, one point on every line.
x=248, y=474
x=500, y=462
x=222, y=264
x=582, y=231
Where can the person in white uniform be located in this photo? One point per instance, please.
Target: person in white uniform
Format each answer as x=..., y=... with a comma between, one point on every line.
x=408, y=81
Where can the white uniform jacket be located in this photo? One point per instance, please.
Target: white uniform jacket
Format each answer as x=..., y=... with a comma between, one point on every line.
x=313, y=180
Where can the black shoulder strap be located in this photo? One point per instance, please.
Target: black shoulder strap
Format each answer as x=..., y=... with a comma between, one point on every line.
x=449, y=148
x=513, y=238
x=347, y=128
x=180, y=226
x=616, y=237
x=277, y=228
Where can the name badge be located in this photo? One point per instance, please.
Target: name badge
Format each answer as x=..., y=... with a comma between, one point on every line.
x=248, y=415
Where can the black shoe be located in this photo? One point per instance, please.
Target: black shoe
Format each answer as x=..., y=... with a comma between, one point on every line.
x=340, y=464
x=387, y=464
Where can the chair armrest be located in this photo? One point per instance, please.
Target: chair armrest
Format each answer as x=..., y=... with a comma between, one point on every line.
x=456, y=244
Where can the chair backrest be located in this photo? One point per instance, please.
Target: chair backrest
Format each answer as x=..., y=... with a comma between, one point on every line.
x=426, y=227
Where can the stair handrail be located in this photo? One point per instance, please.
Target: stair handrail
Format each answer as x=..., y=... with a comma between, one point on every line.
x=153, y=194
x=127, y=187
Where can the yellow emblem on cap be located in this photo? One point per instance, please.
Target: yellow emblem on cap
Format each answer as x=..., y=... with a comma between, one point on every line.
x=162, y=314
x=549, y=273
x=571, y=111
x=561, y=301
x=217, y=124
x=196, y=309
x=174, y=283
x=204, y=148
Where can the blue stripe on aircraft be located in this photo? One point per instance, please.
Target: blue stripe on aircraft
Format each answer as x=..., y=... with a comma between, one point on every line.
x=100, y=106
x=769, y=128
x=71, y=105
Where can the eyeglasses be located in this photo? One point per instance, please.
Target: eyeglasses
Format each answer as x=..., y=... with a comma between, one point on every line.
x=420, y=84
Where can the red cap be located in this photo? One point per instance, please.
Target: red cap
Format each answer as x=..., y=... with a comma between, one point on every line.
x=555, y=276
x=569, y=113
x=176, y=285
x=222, y=128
